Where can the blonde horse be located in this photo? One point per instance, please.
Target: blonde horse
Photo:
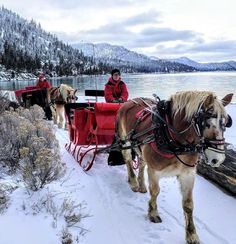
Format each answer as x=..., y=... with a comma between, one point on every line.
x=169, y=137
x=58, y=97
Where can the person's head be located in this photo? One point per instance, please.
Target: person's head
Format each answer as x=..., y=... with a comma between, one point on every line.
x=41, y=77
x=115, y=73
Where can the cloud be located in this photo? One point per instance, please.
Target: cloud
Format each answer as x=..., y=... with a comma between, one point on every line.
x=119, y=35
x=122, y=32
x=91, y=3
x=150, y=17
x=226, y=49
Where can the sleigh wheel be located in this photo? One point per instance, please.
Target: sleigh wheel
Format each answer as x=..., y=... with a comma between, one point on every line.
x=87, y=158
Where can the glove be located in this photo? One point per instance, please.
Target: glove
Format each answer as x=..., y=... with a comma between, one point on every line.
x=115, y=101
x=120, y=100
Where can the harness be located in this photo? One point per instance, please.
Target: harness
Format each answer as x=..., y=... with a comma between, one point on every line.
x=57, y=100
x=163, y=137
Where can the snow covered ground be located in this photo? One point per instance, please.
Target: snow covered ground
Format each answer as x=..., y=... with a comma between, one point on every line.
x=118, y=215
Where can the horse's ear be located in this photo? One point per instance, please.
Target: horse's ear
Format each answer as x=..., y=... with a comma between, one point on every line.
x=227, y=99
x=209, y=101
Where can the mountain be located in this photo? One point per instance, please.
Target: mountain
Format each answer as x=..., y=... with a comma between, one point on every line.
x=222, y=66
x=24, y=45
x=122, y=57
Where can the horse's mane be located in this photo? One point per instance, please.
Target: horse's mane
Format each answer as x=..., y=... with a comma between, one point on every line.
x=63, y=90
x=189, y=102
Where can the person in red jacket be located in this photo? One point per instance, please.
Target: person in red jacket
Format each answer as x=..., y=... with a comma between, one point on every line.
x=115, y=89
x=44, y=85
x=42, y=82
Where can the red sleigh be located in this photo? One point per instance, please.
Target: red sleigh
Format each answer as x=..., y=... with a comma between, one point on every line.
x=91, y=127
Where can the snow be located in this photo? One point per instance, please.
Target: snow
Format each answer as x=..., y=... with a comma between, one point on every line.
x=118, y=215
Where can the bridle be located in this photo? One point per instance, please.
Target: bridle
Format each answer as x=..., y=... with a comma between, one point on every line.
x=201, y=122
x=198, y=122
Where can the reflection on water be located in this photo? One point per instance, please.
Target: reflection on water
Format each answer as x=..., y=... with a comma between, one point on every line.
x=146, y=84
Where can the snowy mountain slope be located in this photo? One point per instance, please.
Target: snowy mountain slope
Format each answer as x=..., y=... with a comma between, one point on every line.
x=21, y=38
x=105, y=51
x=118, y=55
x=27, y=39
x=222, y=66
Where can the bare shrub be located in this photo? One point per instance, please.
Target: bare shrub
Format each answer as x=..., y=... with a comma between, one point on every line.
x=66, y=237
x=28, y=143
x=67, y=212
x=5, y=189
x=41, y=167
x=3, y=200
x=4, y=103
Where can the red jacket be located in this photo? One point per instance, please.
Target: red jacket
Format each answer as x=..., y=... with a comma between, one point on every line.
x=43, y=84
x=115, y=90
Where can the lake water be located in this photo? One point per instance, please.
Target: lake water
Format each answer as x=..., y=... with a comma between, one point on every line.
x=146, y=84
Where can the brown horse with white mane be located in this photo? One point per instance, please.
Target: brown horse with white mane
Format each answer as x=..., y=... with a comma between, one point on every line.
x=169, y=136
x=58, y=97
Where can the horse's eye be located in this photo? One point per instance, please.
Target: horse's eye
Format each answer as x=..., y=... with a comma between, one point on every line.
x=222, y=124
x=208, y=124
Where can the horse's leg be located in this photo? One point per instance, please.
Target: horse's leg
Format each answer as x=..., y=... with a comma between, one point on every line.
x=54, y=114
x=186, y=186
x=154, y=191
x=60, y=115
x=141, y=180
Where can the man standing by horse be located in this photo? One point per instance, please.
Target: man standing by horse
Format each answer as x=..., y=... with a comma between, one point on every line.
x=44, y=85
x=42, y=82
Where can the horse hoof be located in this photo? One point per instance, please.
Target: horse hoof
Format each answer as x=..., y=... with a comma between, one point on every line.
x=134, y=188
x=193, y=239
x=155, y=219
x=142, y=190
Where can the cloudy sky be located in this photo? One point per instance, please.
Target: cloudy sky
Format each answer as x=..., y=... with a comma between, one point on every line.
x=203, y=30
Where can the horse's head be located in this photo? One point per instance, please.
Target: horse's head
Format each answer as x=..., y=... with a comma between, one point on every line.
x=201, y=120
x=71, y=97
x=213, y=119
x=68, y=93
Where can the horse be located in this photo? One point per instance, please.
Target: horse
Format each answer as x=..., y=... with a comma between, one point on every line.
x=58, y=97
x=169, y=137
